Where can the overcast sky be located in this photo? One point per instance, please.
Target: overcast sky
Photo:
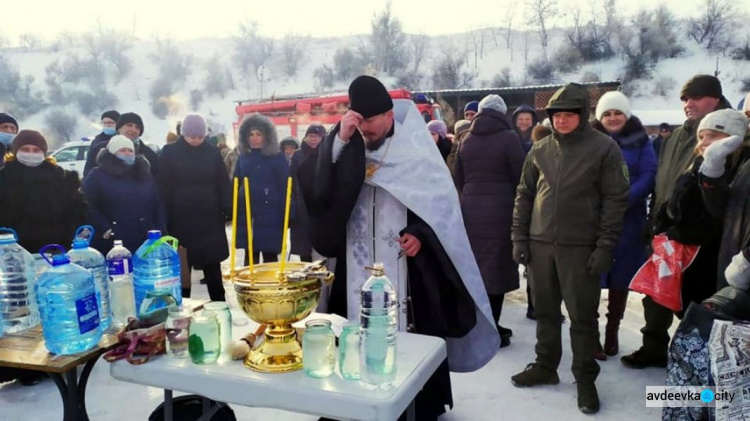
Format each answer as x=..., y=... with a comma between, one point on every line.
x=219, y=18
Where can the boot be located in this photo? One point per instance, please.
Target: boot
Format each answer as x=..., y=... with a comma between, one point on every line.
x=535, y=375
x=640, y=359
x=505, y=335
x=599, y=353
x=588, y=398
x=618, y=300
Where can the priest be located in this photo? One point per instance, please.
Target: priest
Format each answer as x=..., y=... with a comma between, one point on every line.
x=377, y=190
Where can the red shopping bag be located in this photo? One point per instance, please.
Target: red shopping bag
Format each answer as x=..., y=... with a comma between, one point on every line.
x=661, y=276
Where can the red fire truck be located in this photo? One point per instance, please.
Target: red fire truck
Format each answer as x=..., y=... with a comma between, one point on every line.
x=292, y=115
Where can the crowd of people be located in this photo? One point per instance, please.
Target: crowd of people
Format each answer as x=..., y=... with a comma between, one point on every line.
x=574, y=199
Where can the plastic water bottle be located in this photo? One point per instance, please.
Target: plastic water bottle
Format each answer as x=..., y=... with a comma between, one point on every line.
x=66, y=294
x=156, y=265
x=89, y=258
x=379, y=320
x=121, y=296
x=18, y=308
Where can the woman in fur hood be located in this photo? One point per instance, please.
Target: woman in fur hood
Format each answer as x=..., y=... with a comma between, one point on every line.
x=261, y=161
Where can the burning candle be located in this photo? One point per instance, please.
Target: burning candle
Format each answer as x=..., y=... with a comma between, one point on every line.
x=286, y=226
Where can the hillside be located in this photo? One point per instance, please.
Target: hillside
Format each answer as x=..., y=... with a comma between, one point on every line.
x=209, y=56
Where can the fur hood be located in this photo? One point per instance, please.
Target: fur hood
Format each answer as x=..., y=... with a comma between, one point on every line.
x=264, y=124
x=113, y=165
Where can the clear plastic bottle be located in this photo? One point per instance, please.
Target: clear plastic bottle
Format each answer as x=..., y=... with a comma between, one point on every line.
x=18, y=307
x=156, y=265
x=89, y=258
x=122, y=298
x=379, y=321
x=66, y=294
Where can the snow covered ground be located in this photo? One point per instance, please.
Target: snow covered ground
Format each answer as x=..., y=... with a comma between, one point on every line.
x=483, y=395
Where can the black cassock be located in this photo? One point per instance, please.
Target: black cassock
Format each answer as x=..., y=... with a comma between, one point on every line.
x=438, y=303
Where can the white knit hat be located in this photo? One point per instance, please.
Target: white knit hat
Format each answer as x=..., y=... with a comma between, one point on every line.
x=118, y=142
x=731, y=122
x=493, y=102
x=613, y=100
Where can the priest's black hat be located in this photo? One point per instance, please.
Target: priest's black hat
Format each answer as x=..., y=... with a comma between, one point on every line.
x=368, y=97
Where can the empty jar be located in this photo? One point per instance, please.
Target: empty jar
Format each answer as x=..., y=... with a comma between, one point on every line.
x=349, y=351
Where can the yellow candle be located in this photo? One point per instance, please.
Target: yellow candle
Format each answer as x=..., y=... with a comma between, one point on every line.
x=234, y=229
x=286, y=225
x=248, y=220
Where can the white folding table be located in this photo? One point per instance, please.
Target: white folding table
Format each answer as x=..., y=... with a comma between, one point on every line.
x=417, y=356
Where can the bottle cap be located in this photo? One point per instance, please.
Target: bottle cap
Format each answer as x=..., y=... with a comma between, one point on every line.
x=154, y=235
x=80, y=243
x=377, y=269
x=7, y=238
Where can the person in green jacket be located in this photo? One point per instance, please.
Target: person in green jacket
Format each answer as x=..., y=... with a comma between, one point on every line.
x=700, y=95
x=567, y=219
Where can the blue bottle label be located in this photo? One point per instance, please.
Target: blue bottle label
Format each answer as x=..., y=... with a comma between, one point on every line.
x=120, y=267
x=88, y=313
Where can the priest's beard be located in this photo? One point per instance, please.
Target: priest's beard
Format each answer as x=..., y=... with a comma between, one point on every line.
x=374, y=145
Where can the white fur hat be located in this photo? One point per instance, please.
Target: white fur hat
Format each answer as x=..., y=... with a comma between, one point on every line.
x=118, y=142
x=731, y=122
x=613, y=100
x=493, y=102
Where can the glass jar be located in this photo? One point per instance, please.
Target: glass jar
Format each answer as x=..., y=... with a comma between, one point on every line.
x=155, y=306
x=349, y=351
x=318, y=348
x=204, y=343
x=224, y=316
x=177, y=326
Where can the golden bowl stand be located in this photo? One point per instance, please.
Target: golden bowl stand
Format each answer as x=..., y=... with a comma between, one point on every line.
x=277, y=300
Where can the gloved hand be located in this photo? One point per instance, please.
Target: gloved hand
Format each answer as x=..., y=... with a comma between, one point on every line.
x=521, y=254
x=600, y=261
x=716, y=155
x=738, y=272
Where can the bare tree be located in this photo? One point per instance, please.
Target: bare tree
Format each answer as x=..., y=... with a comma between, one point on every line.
x=61, y=124
x=388, y=42
x=30, y=42
x=418, y=45
x=508, y=20
x=714, y=27
x=293, y=49
x=252, y=49
x=539, y=12
x=449, y=73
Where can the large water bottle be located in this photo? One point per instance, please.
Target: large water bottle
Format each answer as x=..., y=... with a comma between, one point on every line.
x=156, y=265
x=89, y=258
x=18, y=309
x=121, y=296
x=379, y=320
x=66, y=294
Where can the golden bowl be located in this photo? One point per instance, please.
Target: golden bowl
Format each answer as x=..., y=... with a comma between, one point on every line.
x=277, y=300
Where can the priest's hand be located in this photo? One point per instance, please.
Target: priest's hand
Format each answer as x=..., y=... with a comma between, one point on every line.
x=410, y=245
x=349, y=123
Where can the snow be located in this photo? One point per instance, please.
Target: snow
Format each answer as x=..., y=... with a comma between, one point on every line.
x=483, y=395
x=133, y=95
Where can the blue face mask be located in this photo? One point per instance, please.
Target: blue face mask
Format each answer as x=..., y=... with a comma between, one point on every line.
x=6, y=138
x=127, y=159
x=109, y=131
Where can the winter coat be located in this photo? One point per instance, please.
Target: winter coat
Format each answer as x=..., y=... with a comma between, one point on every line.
x=124, y=199
x=525, y=136
x=686, y=219
x=100, y=141
x=676, y=154
x=197, y=198
x=268, y=170
x=639, y=155
x=728, y=198
x=300, y=225
x=574, y=187
x=488, y=169
x=444, y=145
x=43, y=204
